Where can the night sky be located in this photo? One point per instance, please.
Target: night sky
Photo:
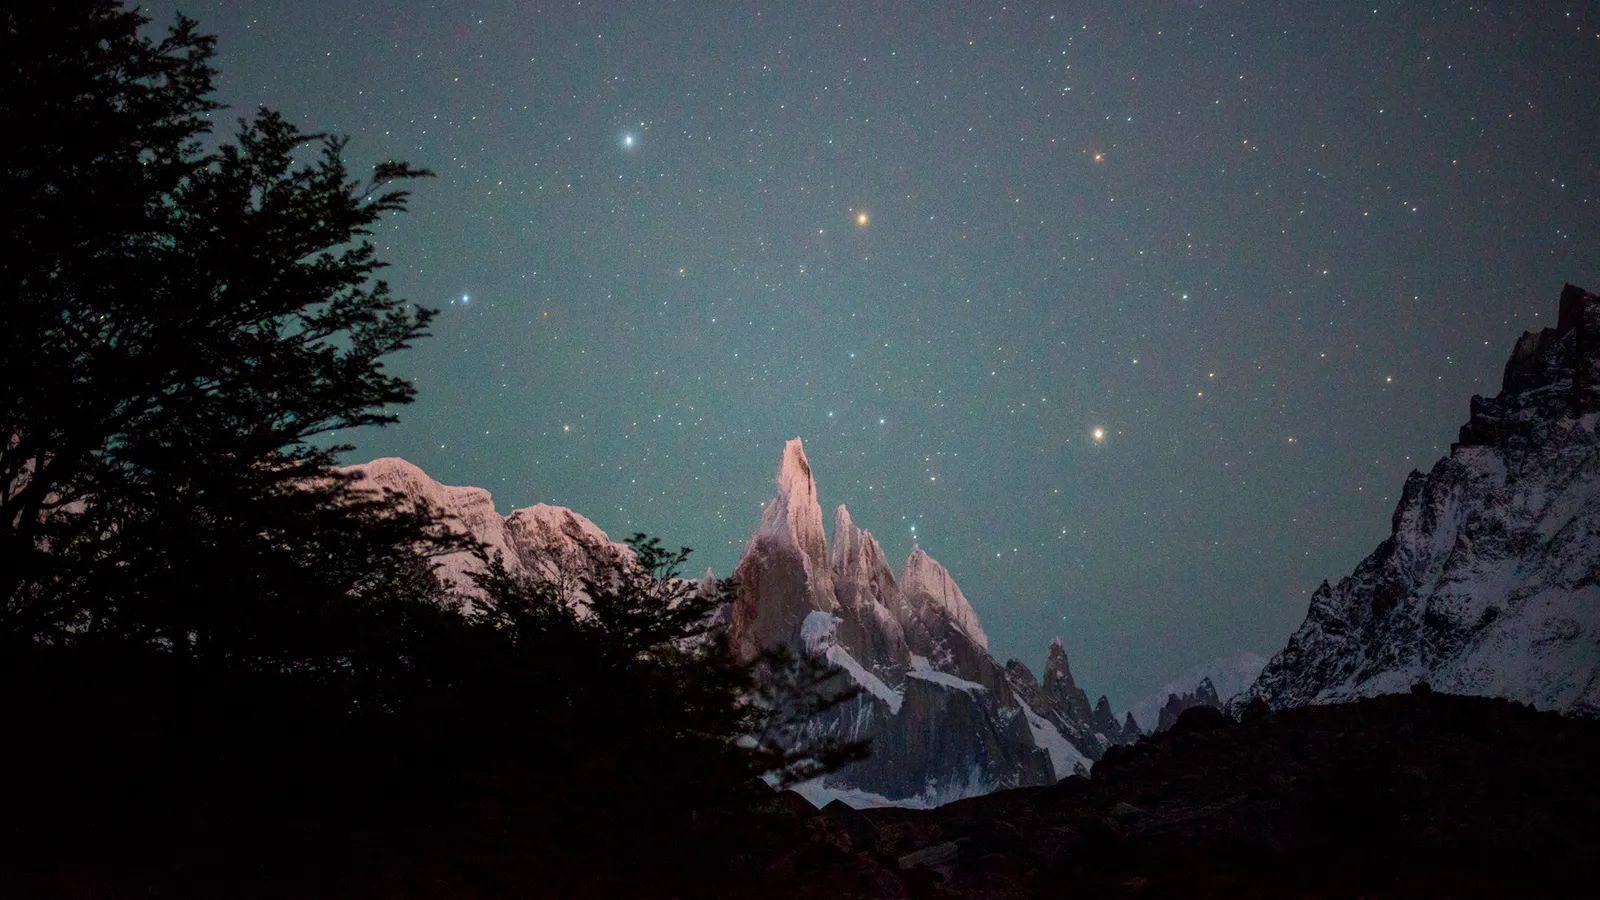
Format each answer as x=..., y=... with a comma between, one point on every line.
x=1135, y=318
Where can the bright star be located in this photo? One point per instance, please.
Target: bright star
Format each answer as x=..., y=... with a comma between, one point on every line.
x=1099, y=435
x=861, y=219
x=628, y=140
x=466, y=299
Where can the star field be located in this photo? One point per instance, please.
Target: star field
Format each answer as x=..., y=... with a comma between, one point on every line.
x=1135, y=318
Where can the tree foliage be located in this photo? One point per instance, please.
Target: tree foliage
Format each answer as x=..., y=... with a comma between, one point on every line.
x=651, y=643
x=179, y=325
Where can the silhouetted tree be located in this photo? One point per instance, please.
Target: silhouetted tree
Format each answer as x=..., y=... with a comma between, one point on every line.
x=195, y=607
x=179, y=325
x=636, y=723
x=208, y=638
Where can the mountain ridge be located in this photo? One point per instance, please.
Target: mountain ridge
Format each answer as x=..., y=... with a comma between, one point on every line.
x=1489, y=581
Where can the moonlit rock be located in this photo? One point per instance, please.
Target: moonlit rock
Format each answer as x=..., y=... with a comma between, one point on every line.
x=866, y=588
x=552, y=543
x=783, y=574
x=468, y=511
x=927, y=583
x=1487, y=581
x=794, y=516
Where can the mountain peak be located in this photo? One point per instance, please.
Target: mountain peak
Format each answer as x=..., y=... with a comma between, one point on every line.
x=794, y=516
x=1486, y=582
x=852, y=549
x=925, y=581
x=794, y=470
x=783, y=575
x=1576, y=305
x=842, y=520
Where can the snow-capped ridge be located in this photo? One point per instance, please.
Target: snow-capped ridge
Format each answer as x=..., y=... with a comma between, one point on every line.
x=1487, y=582
x=552, y=542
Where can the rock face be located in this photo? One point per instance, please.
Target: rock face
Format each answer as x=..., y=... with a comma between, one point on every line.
x=1489, y=582
x=1090, y=730
x=944, y=718
x=784, y=574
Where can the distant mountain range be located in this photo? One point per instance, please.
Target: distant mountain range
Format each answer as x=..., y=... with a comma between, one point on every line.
x=945, y=719
x=1489, y=584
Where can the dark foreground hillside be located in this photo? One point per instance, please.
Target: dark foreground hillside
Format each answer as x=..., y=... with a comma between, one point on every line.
x=1402, y=796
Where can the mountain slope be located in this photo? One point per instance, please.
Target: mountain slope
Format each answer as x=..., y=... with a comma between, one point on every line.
x=1489, y=582
x=552, y=543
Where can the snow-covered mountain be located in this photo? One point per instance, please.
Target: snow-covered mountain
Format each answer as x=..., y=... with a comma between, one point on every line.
x=550, y=542
x=1220, y=679
x=1489, y=582
x=945, y=719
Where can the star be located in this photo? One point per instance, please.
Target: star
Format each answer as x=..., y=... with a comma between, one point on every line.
x=629, y=140
x=862, y=219
x=1098, y=434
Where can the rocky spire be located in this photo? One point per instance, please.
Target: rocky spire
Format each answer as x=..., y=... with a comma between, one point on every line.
x=929, y=588
x=1105, y=721
x=1062, y=690
x=794, y=516
x=784, y=574
x=850, y=547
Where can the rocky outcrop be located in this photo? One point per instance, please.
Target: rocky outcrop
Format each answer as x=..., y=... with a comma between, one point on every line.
x=1489, y=582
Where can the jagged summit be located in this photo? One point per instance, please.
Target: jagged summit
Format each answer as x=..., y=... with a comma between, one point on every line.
x=551, y=542
x=1487, y=582
x=794, y=514
x=927, y=583
x=875, y=609
x=851, y=545
x=1061, y=688
x=783, y=575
